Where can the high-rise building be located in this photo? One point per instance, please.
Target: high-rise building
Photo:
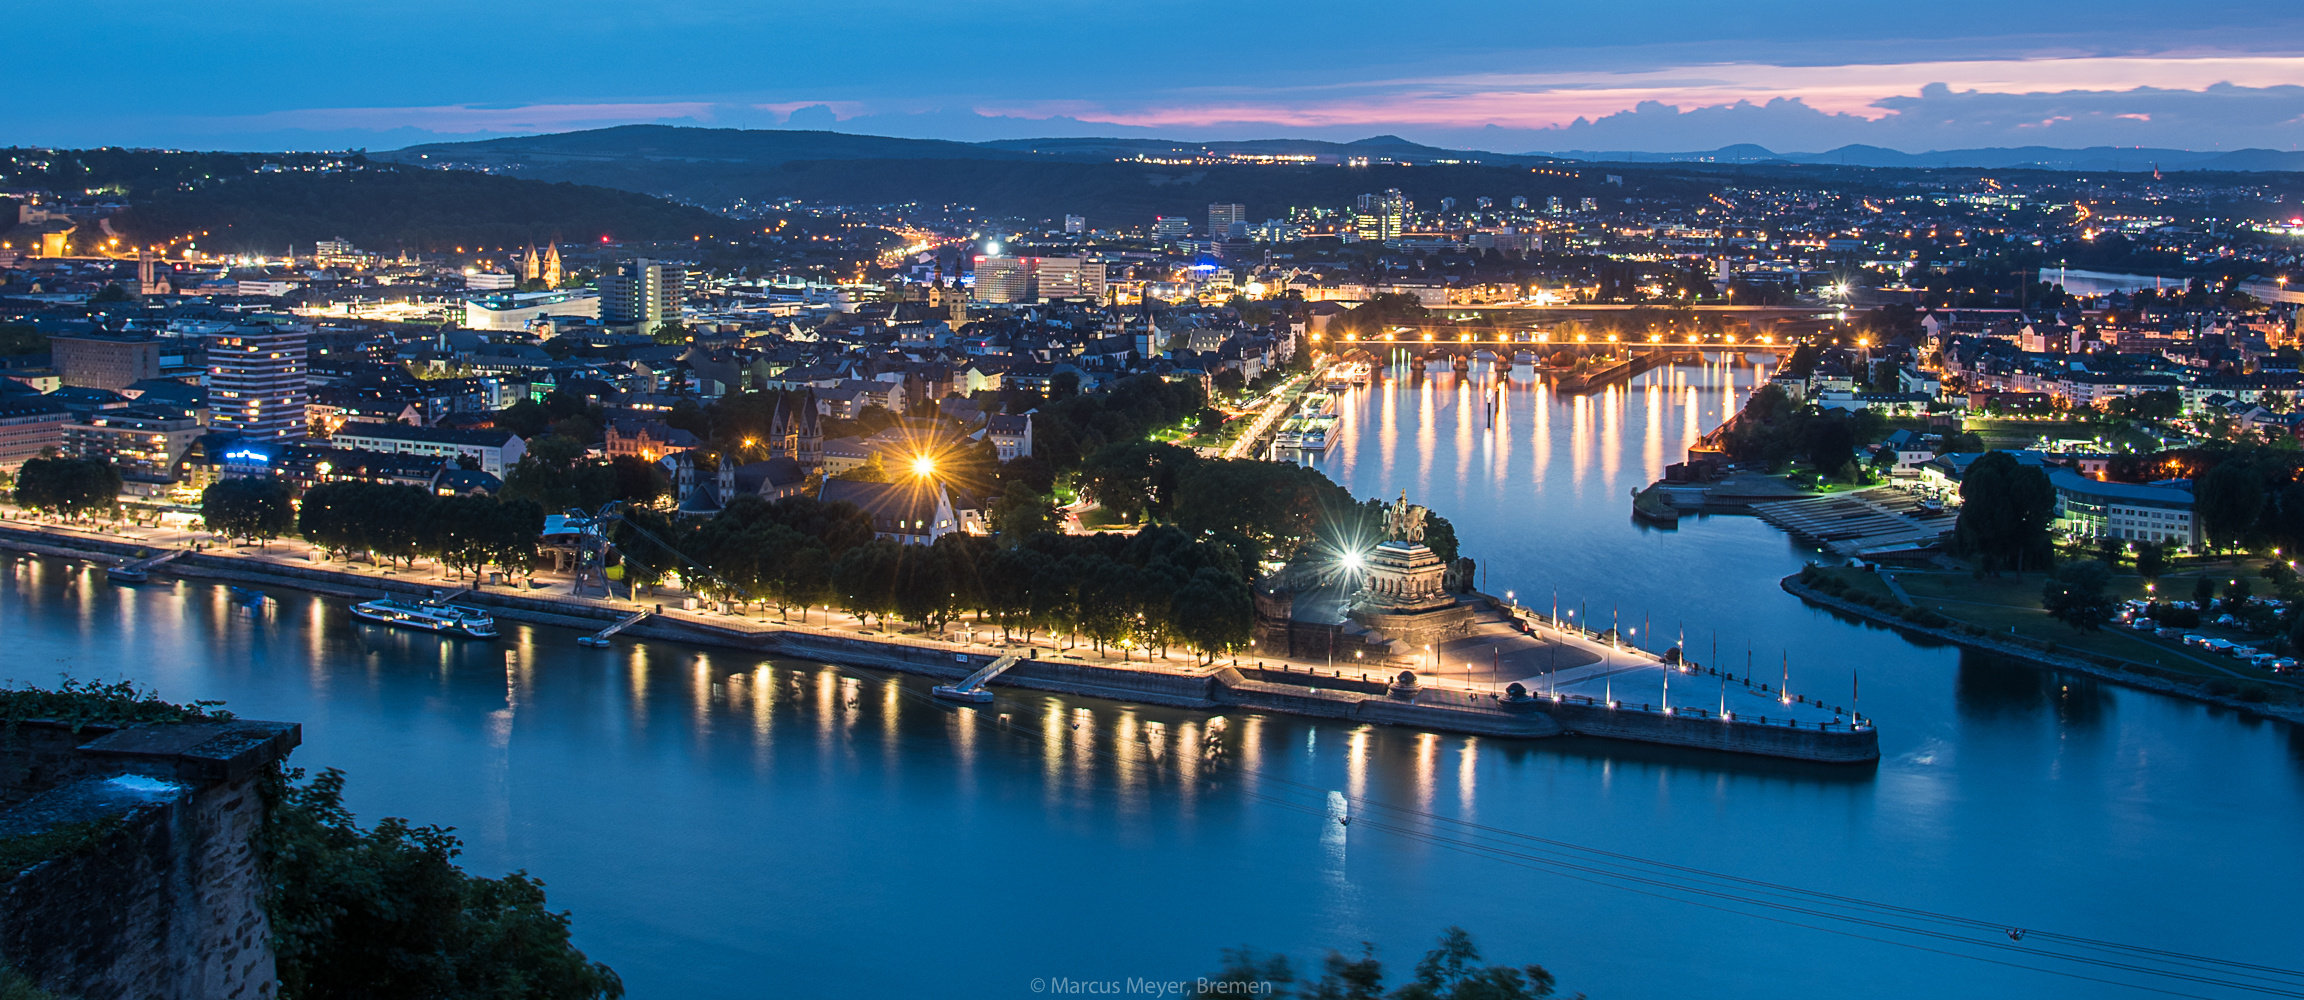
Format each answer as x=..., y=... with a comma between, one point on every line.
x=1519, y=201
x=1075, y=224
x=256, y=381
x=1383, y=216
x=644, y=294
x=1170, y=228
x=1031, y=279
x=1222, y=216
x=1002, y=279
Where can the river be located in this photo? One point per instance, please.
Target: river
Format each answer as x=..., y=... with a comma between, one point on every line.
x=726, y=827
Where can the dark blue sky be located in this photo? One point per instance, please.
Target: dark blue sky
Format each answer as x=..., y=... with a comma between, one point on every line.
x=1511, y=76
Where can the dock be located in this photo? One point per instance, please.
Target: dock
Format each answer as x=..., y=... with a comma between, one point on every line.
x=1866, y=524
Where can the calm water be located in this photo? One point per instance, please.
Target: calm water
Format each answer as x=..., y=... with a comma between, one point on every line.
x=725, y=827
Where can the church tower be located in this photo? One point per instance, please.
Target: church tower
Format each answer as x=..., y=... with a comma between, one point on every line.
x=809, y=434
x=552, y=272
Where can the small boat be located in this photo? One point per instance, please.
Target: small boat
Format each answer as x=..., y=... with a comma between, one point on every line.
x=427, y=616
x=126, y=574
x=955, y=692
x=593, y=641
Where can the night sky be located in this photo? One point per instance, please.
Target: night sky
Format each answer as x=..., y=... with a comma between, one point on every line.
x=1508, y=76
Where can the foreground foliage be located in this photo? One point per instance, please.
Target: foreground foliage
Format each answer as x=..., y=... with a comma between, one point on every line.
x=385, y=912
x=1450, y=971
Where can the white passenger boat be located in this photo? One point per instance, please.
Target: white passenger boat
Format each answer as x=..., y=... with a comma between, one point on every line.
x=428, y=616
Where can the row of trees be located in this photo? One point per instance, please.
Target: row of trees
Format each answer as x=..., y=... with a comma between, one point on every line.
x=1268, y=510
x=399, y=523
x=1154, y=589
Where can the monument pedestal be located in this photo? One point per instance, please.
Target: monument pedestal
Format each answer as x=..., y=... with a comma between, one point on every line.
x=1406, y=599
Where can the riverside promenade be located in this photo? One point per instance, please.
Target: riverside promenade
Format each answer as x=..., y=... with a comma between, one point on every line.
x=1429, y=702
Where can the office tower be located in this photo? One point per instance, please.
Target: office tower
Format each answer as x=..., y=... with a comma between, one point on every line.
x=1002, y=279
x=1447, y=205
x=1390, y=211
x=1075, y=224
x=1520, y=201
x=643, y=294
x=1222, y=216
x=1552, y=204
x=256, y=381
x=1483, y=203
x=1589, y=205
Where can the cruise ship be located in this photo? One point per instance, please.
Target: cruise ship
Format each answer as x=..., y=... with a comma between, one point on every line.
x=428, y=616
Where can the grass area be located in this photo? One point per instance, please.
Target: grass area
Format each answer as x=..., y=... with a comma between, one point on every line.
x=1859, y=581
x=1098, y=518
x=1998, y=604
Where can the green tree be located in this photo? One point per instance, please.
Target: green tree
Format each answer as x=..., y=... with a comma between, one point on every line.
x=250, y=507
x=2076, y=595
x=2151, y=560
x=2228, y=499
x=2005, y=511
x=69, y=487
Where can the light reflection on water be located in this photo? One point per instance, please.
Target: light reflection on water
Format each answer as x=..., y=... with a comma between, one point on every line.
x=716, y=821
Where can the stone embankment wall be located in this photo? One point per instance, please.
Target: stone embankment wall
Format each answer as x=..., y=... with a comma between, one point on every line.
x=1839, y=745
x=154, y=884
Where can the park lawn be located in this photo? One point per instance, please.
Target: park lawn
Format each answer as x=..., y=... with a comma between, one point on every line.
x=1995, y=604
x=1860, y=581
x=1098, y=518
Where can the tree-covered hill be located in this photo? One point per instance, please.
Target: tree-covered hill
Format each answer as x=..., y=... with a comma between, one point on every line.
x=388, y=208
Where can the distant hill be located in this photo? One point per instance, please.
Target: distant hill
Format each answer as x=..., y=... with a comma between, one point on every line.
x=668, y=143
x=2122, y=158
x=1113, y=195
x=717, y=167
x=389, y=207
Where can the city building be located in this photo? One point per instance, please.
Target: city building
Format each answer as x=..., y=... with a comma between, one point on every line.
x=145, y=443
x=643, y=295
x=497, y=450
x=1170, y=229
x=29, y=425
x=1002, y=279
x=1033, y=279
x=104, y=360
x=916, y=511
x=2091, y=508
x=1222, y=216
x=647, y=440
x=491, y=281
x=256, y=385
x=517, y=310
x=1010, y=435
x=1075, y=224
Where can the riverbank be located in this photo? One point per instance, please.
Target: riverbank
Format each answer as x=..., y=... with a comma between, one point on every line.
x=2130, y=674
x=1287, y=688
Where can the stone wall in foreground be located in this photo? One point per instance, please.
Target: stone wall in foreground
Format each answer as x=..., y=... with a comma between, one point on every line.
x=152, y=884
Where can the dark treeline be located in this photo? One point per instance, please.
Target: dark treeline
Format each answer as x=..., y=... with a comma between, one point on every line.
x=1157, y=588
x=71, y=487
x=387, y=207
x=402, y=523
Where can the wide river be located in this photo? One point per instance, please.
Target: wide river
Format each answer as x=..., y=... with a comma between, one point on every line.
x=727, y=827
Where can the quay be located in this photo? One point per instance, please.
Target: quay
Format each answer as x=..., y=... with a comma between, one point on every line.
x=1611, y=700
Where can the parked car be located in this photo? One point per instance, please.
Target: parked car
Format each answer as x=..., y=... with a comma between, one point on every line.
x=2194, y=640
x=2283, y=665
x=2221, y=645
